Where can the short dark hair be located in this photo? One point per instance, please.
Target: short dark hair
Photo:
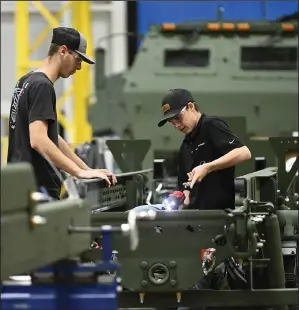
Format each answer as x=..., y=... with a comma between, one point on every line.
x=53, y=49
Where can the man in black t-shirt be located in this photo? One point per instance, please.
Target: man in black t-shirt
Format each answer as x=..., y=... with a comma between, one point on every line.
x=208, y=154
x=33, y=127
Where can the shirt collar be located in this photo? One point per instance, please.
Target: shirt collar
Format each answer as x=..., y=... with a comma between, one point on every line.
x=194, y=133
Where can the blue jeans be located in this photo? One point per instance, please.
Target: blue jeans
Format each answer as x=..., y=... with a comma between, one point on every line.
x=156, y=207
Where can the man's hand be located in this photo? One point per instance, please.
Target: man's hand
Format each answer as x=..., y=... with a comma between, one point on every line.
x=109, y=174
x=186, y=201
x=198, y=173
x=95, y=174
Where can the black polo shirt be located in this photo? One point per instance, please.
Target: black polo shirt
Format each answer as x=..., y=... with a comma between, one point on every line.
x=210, y=140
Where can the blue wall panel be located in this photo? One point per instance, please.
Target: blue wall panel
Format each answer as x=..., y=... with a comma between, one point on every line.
x=155, y=12
x=277, y=8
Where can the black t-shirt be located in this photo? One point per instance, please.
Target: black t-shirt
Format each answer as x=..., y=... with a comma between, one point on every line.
x=33, y=99
x=210, y=140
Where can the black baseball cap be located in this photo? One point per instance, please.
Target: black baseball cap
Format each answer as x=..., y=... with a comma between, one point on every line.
x=173, y=103
x=73, y=40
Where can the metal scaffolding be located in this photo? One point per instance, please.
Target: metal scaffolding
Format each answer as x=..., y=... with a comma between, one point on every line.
x=79, y=128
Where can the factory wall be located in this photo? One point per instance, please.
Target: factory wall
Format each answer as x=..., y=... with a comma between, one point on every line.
x=107, y=17
x=152, y=12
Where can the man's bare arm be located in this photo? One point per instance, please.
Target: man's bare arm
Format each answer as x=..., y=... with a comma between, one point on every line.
x=230, y=159
x=68, y=152
x=40, y=142
x=234, y=157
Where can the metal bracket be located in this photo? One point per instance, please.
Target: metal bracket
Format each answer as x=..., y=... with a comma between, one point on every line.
x=129, y=154
x=280, y=146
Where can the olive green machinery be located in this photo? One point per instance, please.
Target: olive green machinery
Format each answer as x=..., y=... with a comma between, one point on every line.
x=46, y=231
x=244, y=73
x=262, y=235
x=34, y=234
x=257, y=233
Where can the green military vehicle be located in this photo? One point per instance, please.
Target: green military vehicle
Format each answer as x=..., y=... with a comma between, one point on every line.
x=246, y=73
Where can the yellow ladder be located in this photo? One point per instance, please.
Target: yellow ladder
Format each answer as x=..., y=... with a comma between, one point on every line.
x=79, y=129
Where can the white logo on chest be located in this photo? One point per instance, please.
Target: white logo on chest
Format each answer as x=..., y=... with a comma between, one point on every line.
x=199, y=145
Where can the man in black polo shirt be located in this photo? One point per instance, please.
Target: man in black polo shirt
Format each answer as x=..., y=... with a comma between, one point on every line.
x=33, y=132
x=208, y=154
x=207, y=157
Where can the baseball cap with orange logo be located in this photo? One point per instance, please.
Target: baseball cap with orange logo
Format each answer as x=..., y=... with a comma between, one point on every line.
x=173, y=103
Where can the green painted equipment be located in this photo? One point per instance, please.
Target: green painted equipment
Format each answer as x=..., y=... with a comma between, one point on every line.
x=245, y=73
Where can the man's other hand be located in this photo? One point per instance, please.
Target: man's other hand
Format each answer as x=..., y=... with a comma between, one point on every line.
x=109, y=174
x=198, y=173
x=93, y=174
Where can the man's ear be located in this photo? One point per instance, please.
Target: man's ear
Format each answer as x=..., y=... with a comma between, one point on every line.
x=63, y=49
x=191, y=106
